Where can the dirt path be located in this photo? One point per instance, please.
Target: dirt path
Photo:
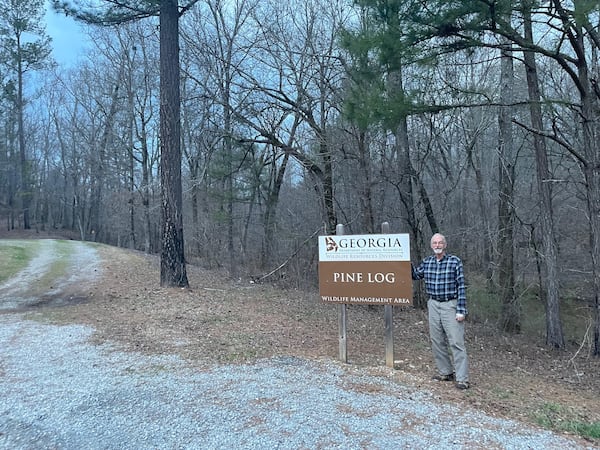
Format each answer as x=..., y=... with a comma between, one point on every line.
x=56, y=268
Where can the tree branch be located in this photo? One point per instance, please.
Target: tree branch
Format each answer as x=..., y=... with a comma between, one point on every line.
x=554, y=137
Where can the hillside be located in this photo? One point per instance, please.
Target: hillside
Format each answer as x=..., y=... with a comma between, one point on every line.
x=217, y=321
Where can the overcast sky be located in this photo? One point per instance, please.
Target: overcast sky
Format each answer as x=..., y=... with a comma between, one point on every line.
x=68, y=40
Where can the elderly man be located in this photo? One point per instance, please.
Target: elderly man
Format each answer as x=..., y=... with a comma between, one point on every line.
x=447, y=306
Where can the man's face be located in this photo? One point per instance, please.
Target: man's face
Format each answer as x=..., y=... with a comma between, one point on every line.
x=438, y=245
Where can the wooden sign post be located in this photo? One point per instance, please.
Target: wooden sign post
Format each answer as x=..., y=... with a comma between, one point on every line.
x=367, y=270
x=388, y=312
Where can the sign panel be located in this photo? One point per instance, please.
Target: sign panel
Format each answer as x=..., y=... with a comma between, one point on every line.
x=371, y=269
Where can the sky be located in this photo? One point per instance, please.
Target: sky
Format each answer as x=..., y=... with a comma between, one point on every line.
x=68, y=38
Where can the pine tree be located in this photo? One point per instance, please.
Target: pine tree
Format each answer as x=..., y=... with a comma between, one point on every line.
x=20, y=20
x=114, y=12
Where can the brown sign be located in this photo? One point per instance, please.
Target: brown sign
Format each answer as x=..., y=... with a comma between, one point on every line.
x=372, y=270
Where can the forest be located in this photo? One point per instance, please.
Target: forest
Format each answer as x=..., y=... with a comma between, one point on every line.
x=259, y=125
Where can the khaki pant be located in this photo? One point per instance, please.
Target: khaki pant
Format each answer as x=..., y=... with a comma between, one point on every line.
x=448, y=339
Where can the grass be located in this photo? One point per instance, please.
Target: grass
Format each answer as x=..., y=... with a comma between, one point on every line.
x=14, y=257
x=502, y=394
x=59, y=266
x=555, y=417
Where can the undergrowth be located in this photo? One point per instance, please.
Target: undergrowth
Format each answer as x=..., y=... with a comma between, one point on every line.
x=558, y=418
x=576, y=316
x=576, y=319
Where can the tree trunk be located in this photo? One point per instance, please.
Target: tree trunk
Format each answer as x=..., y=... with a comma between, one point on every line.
x=13, y=179
x=172, y=260
x=270, y=215
x=511, y=314
x=487, y=252
x=229, y=185
x=404, y=185
x=592, y=175
x=554, y=332
x=131, y=168
x=25, y=184
x=98, y=175
x=328, y=186
x=591, y=171
x=590, y=164
x=365, y=195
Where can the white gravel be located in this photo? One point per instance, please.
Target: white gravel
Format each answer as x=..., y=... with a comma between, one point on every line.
x=58, y=391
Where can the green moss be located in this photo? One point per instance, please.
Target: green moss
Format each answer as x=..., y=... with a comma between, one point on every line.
x=14, y=257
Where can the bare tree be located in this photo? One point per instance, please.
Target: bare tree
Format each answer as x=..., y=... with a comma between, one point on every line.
x=173, y=269
x=299, y=46
x=549, y=257
x=277, y=90
x=19, y=19
x=511, y=318
x=572, y=53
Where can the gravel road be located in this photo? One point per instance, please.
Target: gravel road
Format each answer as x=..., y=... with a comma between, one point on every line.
x=59, y=391
x=56, y=267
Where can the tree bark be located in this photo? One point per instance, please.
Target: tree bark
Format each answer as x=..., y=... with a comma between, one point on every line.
x=511, y=315
x=591, y=172
x=365, y=194
x=404, y=184
x=25, y=184
x=549, y=259
x=270, y=214
x=172, y=258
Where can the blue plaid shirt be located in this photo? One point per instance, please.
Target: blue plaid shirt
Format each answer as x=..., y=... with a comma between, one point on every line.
x=444, y=279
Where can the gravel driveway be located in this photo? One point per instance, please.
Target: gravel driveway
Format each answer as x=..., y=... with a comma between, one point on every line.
x=56, y=267
x=59, y=391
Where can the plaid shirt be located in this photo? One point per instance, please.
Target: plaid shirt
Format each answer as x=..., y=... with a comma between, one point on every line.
x=444, y=279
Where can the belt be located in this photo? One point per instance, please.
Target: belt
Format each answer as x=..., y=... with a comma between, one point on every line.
x=442, y=300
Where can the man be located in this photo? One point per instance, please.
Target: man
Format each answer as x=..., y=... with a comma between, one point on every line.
x=447, y=306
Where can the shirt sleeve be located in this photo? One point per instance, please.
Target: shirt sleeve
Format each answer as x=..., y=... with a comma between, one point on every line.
x=461, y=304
x=417, y=272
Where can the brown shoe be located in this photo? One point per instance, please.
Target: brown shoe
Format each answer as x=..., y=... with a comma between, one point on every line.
x=462, y=385
x=449, y=377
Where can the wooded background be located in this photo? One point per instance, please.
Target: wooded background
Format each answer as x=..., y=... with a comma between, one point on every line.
x=477, y=119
